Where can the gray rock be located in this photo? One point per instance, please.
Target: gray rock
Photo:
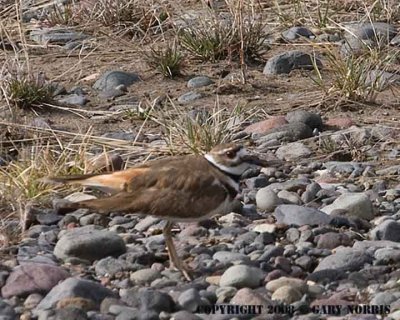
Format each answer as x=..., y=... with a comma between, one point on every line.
x=200, y=81
x=185, y=315
x=287, y=295
x=313, y=120
x=241, y=276
x=395, y=41
x=289, y=197
x=189, y=97
x=290, y=132
x=66, y=313
x=345, y=259
x=112, y=79
x=73, y=99
x=6, y=311
x=332, y=240
x=383, y=298
x=296, y=32
x=146, y=223
x=387, y=255
x=362, y=36
x=297, y=215
x=32, y=278
x=148, y=299
x=381, y=79
x=144, y=276
x=311, y=192
x=48, y=218
x=267, y=199
x=355, y=204
x=227, y=257
x=290, y=60
x=387, y=230
x=55, y=36
x=112, y=93
x=110, y=266
x=74, y=287
x=190, y=300
x=293, y=151
x=89, y=244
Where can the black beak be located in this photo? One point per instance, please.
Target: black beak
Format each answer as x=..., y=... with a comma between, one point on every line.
x=252, y=159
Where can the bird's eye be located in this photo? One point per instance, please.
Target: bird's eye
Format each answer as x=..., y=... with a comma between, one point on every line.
x=230, y=154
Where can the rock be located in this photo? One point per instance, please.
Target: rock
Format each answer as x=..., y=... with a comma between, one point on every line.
x=291, y=214
x=75, y=287
x=313, y=120
x=89, y=244
x=190, y=300
x=112, y=79
x=145, y=276
x=227, y=257
x=32, y=278
x=105, y=162
x=265, y=126
x=339, y=123
x=55, y=36
x=265, y=228
x=287, y=295
x=148, y=299
x=296, y=32
x=189, y=97
x=290, y=60
x=247, y=296
x=383, y=298
x=184, y=315
x=67, y=313
x=289, y=197
x=311, y=192
x=73, y=99
x=387, y=230
x=293, y=151
x=285, y=133
x=267, y=200
x=294, y=283
x=110, y=266
x=6, y=311
x=241, y=276
x=345, y=259
x=200, y=81
x=387, y=255
x=146, y=223
x=332, y=240
x=355, y=205
x=32, y=300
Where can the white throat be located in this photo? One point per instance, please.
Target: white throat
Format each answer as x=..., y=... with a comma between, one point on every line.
x=237, y=171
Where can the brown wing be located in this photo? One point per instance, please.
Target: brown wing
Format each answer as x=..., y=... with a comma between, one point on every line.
x=182, y=188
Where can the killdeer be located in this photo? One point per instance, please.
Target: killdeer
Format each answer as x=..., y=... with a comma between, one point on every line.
x=177, y=189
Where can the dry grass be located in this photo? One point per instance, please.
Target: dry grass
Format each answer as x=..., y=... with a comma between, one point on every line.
x=167, y=60
x=238, y=35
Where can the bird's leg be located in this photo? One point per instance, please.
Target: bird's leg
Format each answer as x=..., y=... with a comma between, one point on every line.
x=173, y=256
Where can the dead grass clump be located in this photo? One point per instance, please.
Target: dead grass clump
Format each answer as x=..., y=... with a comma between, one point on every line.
x=241, y=34
x=167, y=60
x=356, y=77
x=127, y=17
x=198, y=131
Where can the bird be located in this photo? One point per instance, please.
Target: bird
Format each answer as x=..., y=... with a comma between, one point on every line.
x=185, y=188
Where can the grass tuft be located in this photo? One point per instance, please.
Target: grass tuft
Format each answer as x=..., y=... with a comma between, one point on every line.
x=239, y=35
x=168, y=60
x=28, y=93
